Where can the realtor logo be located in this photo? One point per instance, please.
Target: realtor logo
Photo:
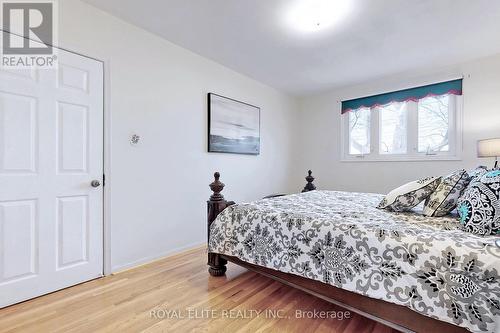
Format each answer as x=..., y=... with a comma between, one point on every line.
x=28, y=34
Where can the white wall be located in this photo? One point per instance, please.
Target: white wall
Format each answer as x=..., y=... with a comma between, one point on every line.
x=320, y=118
x=158, y=90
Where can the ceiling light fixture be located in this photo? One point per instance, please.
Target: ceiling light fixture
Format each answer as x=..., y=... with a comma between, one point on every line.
x=316, y=15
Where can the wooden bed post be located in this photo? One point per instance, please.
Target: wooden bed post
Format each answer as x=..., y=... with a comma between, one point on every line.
x=215, y=205
x=309, y=186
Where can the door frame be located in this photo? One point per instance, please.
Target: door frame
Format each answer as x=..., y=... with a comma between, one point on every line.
x=106, y=103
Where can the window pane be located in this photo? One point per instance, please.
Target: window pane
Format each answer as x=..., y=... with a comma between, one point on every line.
x=393, y=128
x=359, y=131
x=433, y=124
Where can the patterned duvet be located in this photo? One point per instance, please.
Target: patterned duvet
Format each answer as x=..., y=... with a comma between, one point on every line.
x=340, y=238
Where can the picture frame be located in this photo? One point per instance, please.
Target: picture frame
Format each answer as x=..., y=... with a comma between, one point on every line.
x=233, y=126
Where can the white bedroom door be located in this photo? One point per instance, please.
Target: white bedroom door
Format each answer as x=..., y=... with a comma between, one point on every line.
x=51, y=170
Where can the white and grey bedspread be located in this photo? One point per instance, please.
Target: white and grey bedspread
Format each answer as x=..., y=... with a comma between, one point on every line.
x=340, y=238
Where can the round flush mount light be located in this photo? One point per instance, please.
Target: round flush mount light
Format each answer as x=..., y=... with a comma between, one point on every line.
x=316, y=15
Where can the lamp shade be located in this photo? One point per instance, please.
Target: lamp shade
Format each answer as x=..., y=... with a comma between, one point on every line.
x=488, y=148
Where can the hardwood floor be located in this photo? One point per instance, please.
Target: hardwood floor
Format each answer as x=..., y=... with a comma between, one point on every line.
x=155, y=297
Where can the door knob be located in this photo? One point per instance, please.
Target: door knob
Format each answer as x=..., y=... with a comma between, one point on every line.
x=95, y=183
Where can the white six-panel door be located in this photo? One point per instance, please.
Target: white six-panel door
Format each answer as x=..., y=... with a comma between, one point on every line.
x=51, y=148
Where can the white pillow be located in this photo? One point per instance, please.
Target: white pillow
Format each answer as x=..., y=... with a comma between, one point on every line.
x=409, y=195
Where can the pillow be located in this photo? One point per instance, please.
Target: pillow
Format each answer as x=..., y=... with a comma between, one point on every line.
x=409, y=195
x=444, y=199
x=479, y=206
x=477, y=173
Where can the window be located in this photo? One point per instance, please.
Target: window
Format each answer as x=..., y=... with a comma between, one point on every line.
x=393, y=126
x=413, y=124
x=434, y=124
x=359, y=132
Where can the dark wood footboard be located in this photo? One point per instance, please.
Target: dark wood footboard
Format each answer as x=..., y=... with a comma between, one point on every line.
x=215, y=205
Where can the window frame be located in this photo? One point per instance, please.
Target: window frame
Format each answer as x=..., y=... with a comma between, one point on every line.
x=454, y=153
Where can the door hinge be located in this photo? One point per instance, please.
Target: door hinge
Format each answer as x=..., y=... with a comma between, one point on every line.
x=103, y=180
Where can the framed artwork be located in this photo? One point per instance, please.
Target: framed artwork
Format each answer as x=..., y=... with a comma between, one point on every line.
x=233, y=126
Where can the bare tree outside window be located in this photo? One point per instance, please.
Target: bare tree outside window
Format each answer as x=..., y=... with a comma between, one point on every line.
x=419, y=128
x=359, y=131
x=393, y=128
x=433, y=124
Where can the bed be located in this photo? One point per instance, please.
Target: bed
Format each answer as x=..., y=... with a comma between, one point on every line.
x=411, y=272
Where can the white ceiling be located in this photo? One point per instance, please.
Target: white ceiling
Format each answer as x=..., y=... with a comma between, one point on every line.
x=376, y=39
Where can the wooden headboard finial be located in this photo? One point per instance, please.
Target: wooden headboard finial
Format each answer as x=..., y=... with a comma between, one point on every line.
x=216, y=186
x=309, y=186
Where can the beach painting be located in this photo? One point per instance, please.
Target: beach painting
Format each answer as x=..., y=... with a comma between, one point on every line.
x=233, y=126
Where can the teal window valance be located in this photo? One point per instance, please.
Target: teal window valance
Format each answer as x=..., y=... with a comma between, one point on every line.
x=413, y=94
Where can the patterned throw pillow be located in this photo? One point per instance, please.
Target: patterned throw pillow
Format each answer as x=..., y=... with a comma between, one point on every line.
x=444, y=199
x=479, y=206
x=409, y=195
x=477, y=173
